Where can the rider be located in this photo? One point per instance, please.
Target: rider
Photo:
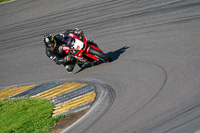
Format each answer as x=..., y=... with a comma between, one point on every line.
x=54, y=48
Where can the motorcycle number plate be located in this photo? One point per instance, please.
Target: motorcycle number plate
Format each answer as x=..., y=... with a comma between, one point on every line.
x=78, y=45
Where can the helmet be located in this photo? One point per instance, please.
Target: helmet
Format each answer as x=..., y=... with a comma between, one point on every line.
x=49, y=41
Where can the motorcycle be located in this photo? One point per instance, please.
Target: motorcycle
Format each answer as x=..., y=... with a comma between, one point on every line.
x=85, y=52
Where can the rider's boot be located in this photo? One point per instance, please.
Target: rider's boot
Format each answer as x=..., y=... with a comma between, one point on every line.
x=70, y=68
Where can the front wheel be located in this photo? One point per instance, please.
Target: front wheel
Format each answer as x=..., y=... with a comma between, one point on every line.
x=100, y=55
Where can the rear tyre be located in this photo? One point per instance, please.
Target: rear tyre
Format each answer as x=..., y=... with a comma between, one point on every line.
x=100, y=55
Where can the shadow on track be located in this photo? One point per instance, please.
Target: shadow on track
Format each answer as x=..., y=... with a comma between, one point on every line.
x=113, y=54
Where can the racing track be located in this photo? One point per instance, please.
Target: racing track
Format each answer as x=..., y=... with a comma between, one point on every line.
x=153, y=82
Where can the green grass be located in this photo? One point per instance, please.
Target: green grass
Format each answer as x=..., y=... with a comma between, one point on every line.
x=26, y=115
x=3, y=1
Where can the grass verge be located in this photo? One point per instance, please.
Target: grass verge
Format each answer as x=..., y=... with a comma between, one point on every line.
x=4, y=1
x=26, y=115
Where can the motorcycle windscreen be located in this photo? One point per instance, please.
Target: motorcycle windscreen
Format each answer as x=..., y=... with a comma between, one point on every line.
x=78, y=45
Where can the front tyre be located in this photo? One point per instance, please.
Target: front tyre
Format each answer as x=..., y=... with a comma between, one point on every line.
x=100, y=55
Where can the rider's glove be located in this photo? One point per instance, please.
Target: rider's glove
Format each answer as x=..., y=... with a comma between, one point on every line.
x=78, y=31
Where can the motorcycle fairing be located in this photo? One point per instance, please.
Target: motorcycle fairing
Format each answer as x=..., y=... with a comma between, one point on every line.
x=84, y=48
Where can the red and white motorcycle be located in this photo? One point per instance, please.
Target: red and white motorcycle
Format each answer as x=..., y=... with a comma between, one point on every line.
x=84, y=51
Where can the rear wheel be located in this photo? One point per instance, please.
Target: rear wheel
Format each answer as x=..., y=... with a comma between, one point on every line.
x=100, y=55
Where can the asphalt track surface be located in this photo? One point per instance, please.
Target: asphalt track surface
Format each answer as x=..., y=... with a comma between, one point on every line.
x=153, y=83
